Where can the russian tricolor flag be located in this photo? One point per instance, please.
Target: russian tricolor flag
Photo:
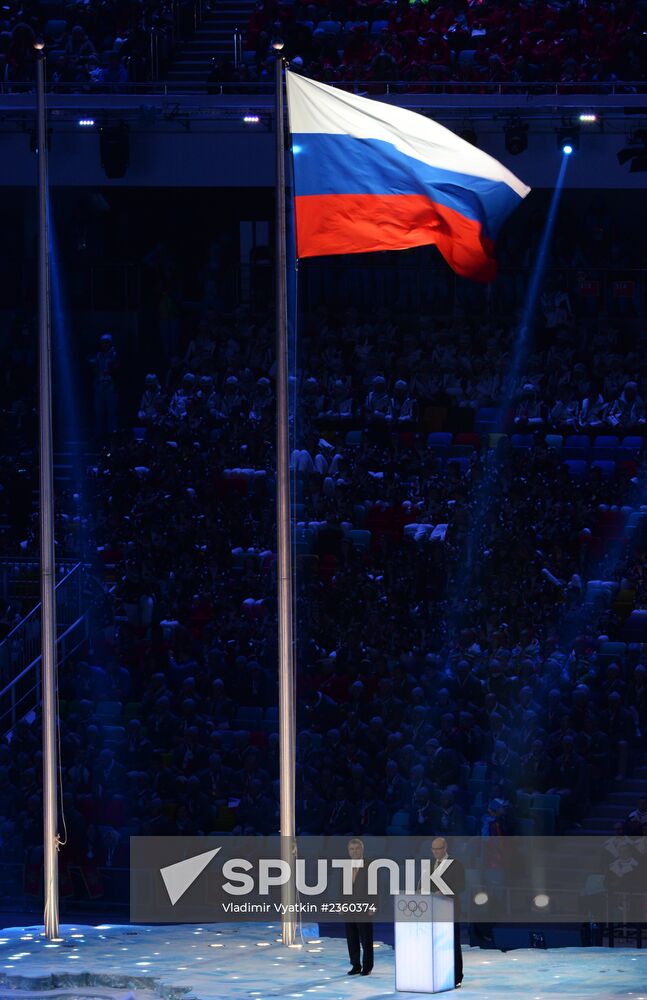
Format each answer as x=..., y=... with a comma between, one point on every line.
x=373, y=176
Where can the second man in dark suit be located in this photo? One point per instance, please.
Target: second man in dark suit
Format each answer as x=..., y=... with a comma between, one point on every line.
x=359, y=934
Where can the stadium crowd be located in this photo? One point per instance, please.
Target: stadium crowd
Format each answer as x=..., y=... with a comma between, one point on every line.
x=471, y=41
x=466, y=656
x=484, y=42
x=89, y=42
x=470, y=559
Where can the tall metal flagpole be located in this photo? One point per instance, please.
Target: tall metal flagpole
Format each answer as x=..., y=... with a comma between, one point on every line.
x=287, y=729
x=47, y=583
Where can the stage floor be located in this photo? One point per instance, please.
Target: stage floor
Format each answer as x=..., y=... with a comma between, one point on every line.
x=246, y=960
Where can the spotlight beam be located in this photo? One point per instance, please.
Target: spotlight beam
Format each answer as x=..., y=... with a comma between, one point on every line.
x=488, y=489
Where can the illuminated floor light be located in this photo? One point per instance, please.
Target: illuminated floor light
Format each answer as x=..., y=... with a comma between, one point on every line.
x=481, y=898
x=541, y=900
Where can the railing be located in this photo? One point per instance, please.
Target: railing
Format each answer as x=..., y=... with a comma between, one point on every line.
x=617, y=88
x=20, y=658
x=21, y=647
x=373, y=87
x=154, y=54
x=23, y=694
x=238, y=47
x=164, y=38
x=19, y=577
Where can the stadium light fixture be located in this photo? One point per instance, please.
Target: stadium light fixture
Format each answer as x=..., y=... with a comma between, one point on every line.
x=516, y=136
x=114, y=149
x=568, y=140
x=635, y=154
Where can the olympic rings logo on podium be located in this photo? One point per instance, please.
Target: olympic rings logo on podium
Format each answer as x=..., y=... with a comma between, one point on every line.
x=412, y=907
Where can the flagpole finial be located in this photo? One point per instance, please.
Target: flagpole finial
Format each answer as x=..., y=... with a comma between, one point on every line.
x=278, y=44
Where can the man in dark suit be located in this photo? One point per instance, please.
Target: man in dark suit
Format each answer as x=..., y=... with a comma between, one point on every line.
x=454, y=877
x=359, y=935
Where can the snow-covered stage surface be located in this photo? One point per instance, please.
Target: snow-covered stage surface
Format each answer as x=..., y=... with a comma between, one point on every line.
x=215, y=962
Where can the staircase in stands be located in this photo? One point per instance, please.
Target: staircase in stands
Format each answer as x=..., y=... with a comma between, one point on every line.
x=214, y=39
x=616, y=805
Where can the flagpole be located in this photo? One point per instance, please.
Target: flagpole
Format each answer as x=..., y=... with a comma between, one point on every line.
x=287, y=734
x=47, y=592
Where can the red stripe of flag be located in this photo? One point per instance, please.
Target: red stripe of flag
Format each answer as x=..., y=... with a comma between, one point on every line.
x=361, y=223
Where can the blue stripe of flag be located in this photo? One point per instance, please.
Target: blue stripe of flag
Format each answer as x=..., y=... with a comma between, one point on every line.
x=343, y=164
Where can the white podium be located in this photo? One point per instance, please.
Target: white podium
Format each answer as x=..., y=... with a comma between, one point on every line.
x=424, y=943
